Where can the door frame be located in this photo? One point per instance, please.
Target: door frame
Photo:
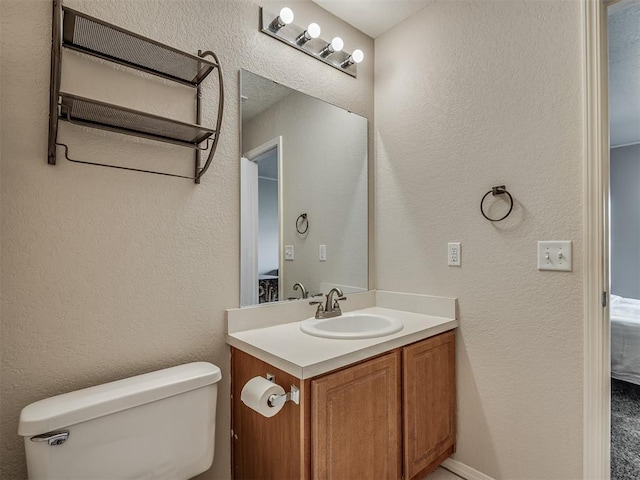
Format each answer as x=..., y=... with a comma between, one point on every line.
x=597, y=357
x=251, y=155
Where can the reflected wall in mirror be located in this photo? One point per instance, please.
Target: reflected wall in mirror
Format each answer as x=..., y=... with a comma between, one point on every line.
x=304, y=214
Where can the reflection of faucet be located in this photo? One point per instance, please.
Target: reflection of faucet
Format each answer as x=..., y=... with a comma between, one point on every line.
x=331, y=307
x=299, y=286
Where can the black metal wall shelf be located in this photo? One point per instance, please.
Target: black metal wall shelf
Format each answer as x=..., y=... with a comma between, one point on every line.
x=101, y=39
x=105, y=116
x=77, y=31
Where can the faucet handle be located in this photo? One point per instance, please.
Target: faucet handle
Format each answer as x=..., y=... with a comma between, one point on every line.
x=320, y=309
x=319, y=303
x=336, y=305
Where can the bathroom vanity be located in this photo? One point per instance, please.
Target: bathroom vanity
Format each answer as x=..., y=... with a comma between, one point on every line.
x=377, y=404
x=369, y=408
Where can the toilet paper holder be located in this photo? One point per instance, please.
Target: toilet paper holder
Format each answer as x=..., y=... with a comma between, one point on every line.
x=292, y=395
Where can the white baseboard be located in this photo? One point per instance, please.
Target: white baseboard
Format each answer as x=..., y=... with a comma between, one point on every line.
x=464, y=471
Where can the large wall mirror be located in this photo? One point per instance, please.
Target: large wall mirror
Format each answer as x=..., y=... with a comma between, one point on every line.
x=303, y=195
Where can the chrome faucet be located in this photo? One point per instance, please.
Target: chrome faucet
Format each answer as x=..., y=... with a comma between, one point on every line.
x=303, y=290
x=331, y=308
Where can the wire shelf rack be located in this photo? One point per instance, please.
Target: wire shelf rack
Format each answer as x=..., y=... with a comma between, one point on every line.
x=106, y=116
x=101, y=39
x=77, y=31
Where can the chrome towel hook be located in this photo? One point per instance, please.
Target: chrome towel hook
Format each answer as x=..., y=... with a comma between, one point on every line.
x=499, y=190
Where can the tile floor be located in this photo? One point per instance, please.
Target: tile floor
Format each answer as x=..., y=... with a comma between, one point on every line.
x=442, y=474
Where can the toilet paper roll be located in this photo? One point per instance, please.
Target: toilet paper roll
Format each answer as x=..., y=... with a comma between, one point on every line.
x=255, y=395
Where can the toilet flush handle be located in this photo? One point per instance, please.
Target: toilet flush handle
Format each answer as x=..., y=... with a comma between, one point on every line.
x=53, y=438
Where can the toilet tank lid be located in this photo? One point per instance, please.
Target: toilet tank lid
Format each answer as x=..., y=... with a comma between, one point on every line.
x=82, y=405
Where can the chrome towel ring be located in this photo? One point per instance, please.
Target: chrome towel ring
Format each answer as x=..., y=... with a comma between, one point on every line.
x=499, y=190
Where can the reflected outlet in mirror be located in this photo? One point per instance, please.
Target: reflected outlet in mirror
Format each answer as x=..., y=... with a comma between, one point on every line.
x=304, y=184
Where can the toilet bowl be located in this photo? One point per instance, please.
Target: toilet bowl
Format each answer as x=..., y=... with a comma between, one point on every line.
x=156, y=426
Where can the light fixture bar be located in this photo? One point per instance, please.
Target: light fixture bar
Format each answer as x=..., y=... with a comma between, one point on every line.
x=291, y=34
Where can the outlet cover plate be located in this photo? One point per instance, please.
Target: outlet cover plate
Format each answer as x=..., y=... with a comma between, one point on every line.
x=288, y=252
x=454, y=254
x=555, y=255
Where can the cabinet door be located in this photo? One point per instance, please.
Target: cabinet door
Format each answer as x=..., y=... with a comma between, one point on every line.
x=355, y=422
x=429, y=393
x=275, y=448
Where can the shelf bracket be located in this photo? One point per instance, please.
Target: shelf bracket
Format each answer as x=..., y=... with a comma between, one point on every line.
x=201, y=171
x=56, y=68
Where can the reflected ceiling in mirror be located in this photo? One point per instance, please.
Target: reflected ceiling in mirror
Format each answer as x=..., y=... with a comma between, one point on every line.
x=304, y=213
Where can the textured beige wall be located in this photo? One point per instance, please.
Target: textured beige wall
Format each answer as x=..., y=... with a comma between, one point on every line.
x=325, y=175
x=472, y=94
x=107, y=274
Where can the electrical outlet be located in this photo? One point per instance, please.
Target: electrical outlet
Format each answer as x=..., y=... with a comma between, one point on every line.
x=288, y=252
x=322, y=253
x=454, y=256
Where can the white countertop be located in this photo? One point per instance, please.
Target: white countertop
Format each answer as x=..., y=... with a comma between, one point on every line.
x=304, y=356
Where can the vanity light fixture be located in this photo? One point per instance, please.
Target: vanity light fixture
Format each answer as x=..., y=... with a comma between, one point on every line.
x=308, y=40
x=312, y=31
x=356, y=57
x=282, y=20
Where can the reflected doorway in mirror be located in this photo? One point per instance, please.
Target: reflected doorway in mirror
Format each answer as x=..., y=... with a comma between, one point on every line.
x=261, y=227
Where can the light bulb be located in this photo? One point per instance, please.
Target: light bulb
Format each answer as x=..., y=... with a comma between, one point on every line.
x=313, y=30
x=337, y=44
x=286, y=15
x=285, y=18
x=357, y=56
x=333, y=47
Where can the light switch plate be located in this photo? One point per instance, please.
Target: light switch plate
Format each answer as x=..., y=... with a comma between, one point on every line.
x=288, y=252
x=322, y=253
x=555, y=255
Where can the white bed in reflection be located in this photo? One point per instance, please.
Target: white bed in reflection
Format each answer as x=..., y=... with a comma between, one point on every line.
x=625, y=339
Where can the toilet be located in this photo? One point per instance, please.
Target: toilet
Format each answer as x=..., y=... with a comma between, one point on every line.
x=156, y=426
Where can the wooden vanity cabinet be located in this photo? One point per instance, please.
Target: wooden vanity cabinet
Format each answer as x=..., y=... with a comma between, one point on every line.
x=389, y=417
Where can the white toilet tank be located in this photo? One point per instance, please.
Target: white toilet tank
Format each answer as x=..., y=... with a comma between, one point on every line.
x=156, y=426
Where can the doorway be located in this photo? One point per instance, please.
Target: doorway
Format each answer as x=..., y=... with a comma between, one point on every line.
x=596, y=291
x=261, y=226
x=623, y=48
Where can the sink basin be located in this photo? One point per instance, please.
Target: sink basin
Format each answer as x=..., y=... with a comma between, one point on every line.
x=349, y=326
